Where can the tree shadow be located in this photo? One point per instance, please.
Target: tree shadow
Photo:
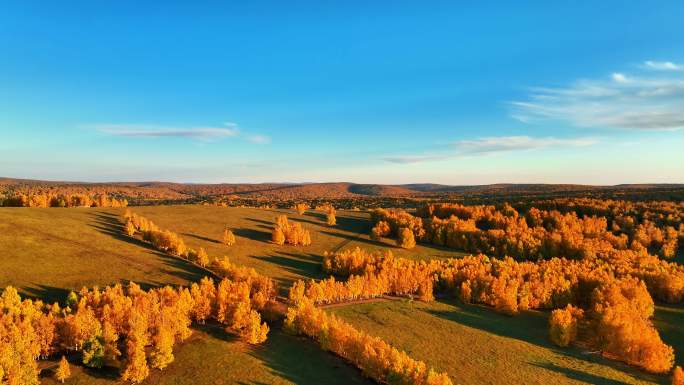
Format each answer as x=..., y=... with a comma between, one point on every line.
x=261, y=221
x=253, y=234
x=184, y=269
x=216, y=330
x=529, y=326
x=344, y=222
x=48, y=294
x=201, y=237
x=301, y=361
x=109, y=225
x=104, y=373
x=303, y=265
x=348, y=238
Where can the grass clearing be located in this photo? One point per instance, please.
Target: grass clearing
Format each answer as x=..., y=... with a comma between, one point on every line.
x=211, y=356
x=475, y=345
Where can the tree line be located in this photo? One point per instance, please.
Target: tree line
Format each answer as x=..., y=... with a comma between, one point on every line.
x=376, y=358
x=610, y=298
x=62, y=200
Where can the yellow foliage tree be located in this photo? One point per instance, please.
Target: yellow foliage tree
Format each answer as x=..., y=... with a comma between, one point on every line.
x=63, y=370
x=563, y=325
x=228, y=237
x=678, y=376
x=277, y=236
x=330, y=218
x=129, y=228
x=202, y=257
x=301, y=208
x=136, y=369
x=405, y=238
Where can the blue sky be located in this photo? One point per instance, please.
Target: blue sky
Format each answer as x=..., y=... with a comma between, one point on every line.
x=373, y=92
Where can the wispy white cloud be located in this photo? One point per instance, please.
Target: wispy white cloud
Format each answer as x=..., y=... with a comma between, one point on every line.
x=159, y=132
x=207, y=134
x=490, y=145
x=647, y=101
x=259, y=139
x=663, y=65
x=517, y=143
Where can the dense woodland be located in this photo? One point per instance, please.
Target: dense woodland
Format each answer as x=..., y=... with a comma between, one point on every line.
x=342, y=195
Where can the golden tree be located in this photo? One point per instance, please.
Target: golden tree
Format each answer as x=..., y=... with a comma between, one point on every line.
x=678, y=376
x=202, y=257
x=563, y=325
x=162, y=354
x=129, y=228
x=278, y=237
x=136, y=369
x=301, y=208
x=330, y=218
x=381, y=229
x=405, y=238
x=63, y=370
x=228, y=237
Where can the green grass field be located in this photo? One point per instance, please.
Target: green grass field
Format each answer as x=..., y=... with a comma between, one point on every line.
x=47, y=252
x=475, y=345
x=213, y=357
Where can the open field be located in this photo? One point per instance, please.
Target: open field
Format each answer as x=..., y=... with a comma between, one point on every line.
x=48, y=252
x=211, y=356
x=475, y=345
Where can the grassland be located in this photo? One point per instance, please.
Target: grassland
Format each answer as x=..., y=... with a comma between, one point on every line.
x=477, y=346
x=211, y=356
x=47, y=252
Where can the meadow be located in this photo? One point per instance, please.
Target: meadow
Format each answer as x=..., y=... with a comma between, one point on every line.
x=49, y=252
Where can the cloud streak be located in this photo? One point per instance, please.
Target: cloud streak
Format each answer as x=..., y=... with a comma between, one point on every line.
x=207, y=134
x=663, y=66
x=652, y=100
x=491, y=145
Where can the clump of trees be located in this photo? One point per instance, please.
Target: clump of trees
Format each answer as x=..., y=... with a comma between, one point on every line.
x=301, y=208
x=330, y=213
x=353, y=261
x=616, y=317
x=620, y=319
x=103, y=324
x=291, y=233
x=376, y=358
x=563, y=325
x=380, y=230
x=405, y=238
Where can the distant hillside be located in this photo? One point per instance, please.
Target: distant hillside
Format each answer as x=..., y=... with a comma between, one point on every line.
x=167, y=191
